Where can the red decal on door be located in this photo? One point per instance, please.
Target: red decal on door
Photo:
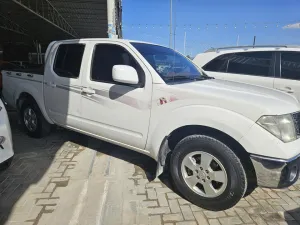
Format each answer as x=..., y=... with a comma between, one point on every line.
x=173, y=98
x=162, y=101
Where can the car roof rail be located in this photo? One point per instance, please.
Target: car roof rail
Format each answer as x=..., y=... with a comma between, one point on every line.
x=251, y=46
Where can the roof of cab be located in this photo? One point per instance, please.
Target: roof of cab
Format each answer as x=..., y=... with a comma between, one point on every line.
x=105, y=39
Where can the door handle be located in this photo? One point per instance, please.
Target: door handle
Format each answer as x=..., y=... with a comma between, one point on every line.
x=51, y=84
x=88, y=91
x=18, y=74
x=287, y=89
x=29, y=75
x=8, y=73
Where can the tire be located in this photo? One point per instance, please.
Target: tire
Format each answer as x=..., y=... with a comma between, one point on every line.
x=42, y=127
x=224, y=194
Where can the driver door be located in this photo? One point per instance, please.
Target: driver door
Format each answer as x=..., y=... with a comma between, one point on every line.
x=116, y=111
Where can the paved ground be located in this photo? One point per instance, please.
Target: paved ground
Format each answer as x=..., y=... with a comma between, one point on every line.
x=70, y=179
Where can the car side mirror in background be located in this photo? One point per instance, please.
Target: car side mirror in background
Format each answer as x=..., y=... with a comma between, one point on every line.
x=125, y=74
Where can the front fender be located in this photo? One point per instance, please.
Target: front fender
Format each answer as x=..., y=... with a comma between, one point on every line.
x=231, y=123
x=36, y=93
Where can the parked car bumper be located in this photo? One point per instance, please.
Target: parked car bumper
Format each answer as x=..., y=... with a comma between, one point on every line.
x=6, y=144
x=276, y=173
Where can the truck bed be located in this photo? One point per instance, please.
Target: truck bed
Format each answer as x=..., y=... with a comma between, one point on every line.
x=27, y=80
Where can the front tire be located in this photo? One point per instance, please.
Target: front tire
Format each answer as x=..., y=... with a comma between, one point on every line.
x=207, y=173
x=32, y=120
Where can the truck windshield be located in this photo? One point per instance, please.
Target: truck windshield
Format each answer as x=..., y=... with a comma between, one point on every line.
x=170, y=65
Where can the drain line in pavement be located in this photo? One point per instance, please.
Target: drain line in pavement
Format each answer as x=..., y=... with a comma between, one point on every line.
x=92, y=164
x=80, y=203
x=82, y=195
x=102, y=203
x=107, y=167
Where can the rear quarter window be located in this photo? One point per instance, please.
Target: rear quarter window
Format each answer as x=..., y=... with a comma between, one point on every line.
x=290, y=65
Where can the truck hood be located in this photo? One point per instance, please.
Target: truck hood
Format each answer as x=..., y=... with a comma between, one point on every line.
x=249, y=100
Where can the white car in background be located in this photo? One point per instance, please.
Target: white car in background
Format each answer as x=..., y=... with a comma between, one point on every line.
x=6, y=146
x=273, y=66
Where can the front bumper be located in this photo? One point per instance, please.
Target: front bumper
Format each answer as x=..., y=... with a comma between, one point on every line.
x=276, y=173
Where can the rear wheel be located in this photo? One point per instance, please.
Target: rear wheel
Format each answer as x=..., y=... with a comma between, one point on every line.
x=207, y=173
x=33, y=120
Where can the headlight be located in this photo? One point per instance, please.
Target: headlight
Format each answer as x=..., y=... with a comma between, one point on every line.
x=281, y=127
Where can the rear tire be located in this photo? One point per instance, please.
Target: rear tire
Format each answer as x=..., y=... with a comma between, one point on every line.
x=215, y=183
x=32, y=120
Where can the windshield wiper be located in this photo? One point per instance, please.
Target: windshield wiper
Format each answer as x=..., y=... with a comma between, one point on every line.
x=177, y=78
x=202, y=78
x=181, y=77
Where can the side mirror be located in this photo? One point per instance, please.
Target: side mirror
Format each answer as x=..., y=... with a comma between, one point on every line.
x=125, y=74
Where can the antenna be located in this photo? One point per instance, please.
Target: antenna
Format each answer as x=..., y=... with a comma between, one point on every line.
x=184, y=43
x=171, y=12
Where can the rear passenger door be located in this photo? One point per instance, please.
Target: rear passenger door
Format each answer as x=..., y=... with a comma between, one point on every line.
x=288, y=70
x=256, y=68
x=62, y=89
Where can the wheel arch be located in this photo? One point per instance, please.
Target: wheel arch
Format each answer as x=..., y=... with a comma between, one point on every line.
x=26, y=95
x=170, y=141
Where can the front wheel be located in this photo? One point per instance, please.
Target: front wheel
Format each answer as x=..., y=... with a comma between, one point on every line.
x=207, y=173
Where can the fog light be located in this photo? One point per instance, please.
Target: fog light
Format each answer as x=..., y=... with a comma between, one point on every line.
x=2, y=139
x=293, y=173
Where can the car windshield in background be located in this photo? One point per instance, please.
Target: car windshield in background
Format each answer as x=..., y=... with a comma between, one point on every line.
x=170, y=65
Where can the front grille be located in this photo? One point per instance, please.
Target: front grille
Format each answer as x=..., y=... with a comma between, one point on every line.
x=296, y=117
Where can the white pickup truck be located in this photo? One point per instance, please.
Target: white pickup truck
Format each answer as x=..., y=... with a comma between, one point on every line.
x=215, y=137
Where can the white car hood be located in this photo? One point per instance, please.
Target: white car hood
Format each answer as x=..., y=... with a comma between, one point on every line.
x=249, y=100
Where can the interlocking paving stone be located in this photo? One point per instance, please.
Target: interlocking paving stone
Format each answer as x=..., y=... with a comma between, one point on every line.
x=162, y=200
x=172, y=217
x=200, y=218
x=186, y=223
x=151, y=194
x=230, y=220
x=174, y=206
x=243, y=215
x=187, y=212
x=213, y=215
x=160, y=210
x=149, y=203
x=155, y=220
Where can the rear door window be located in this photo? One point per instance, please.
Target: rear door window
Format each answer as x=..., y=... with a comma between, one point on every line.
x=290, y=65
x=218, y=64
x=68, y=60
x=251, y=63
